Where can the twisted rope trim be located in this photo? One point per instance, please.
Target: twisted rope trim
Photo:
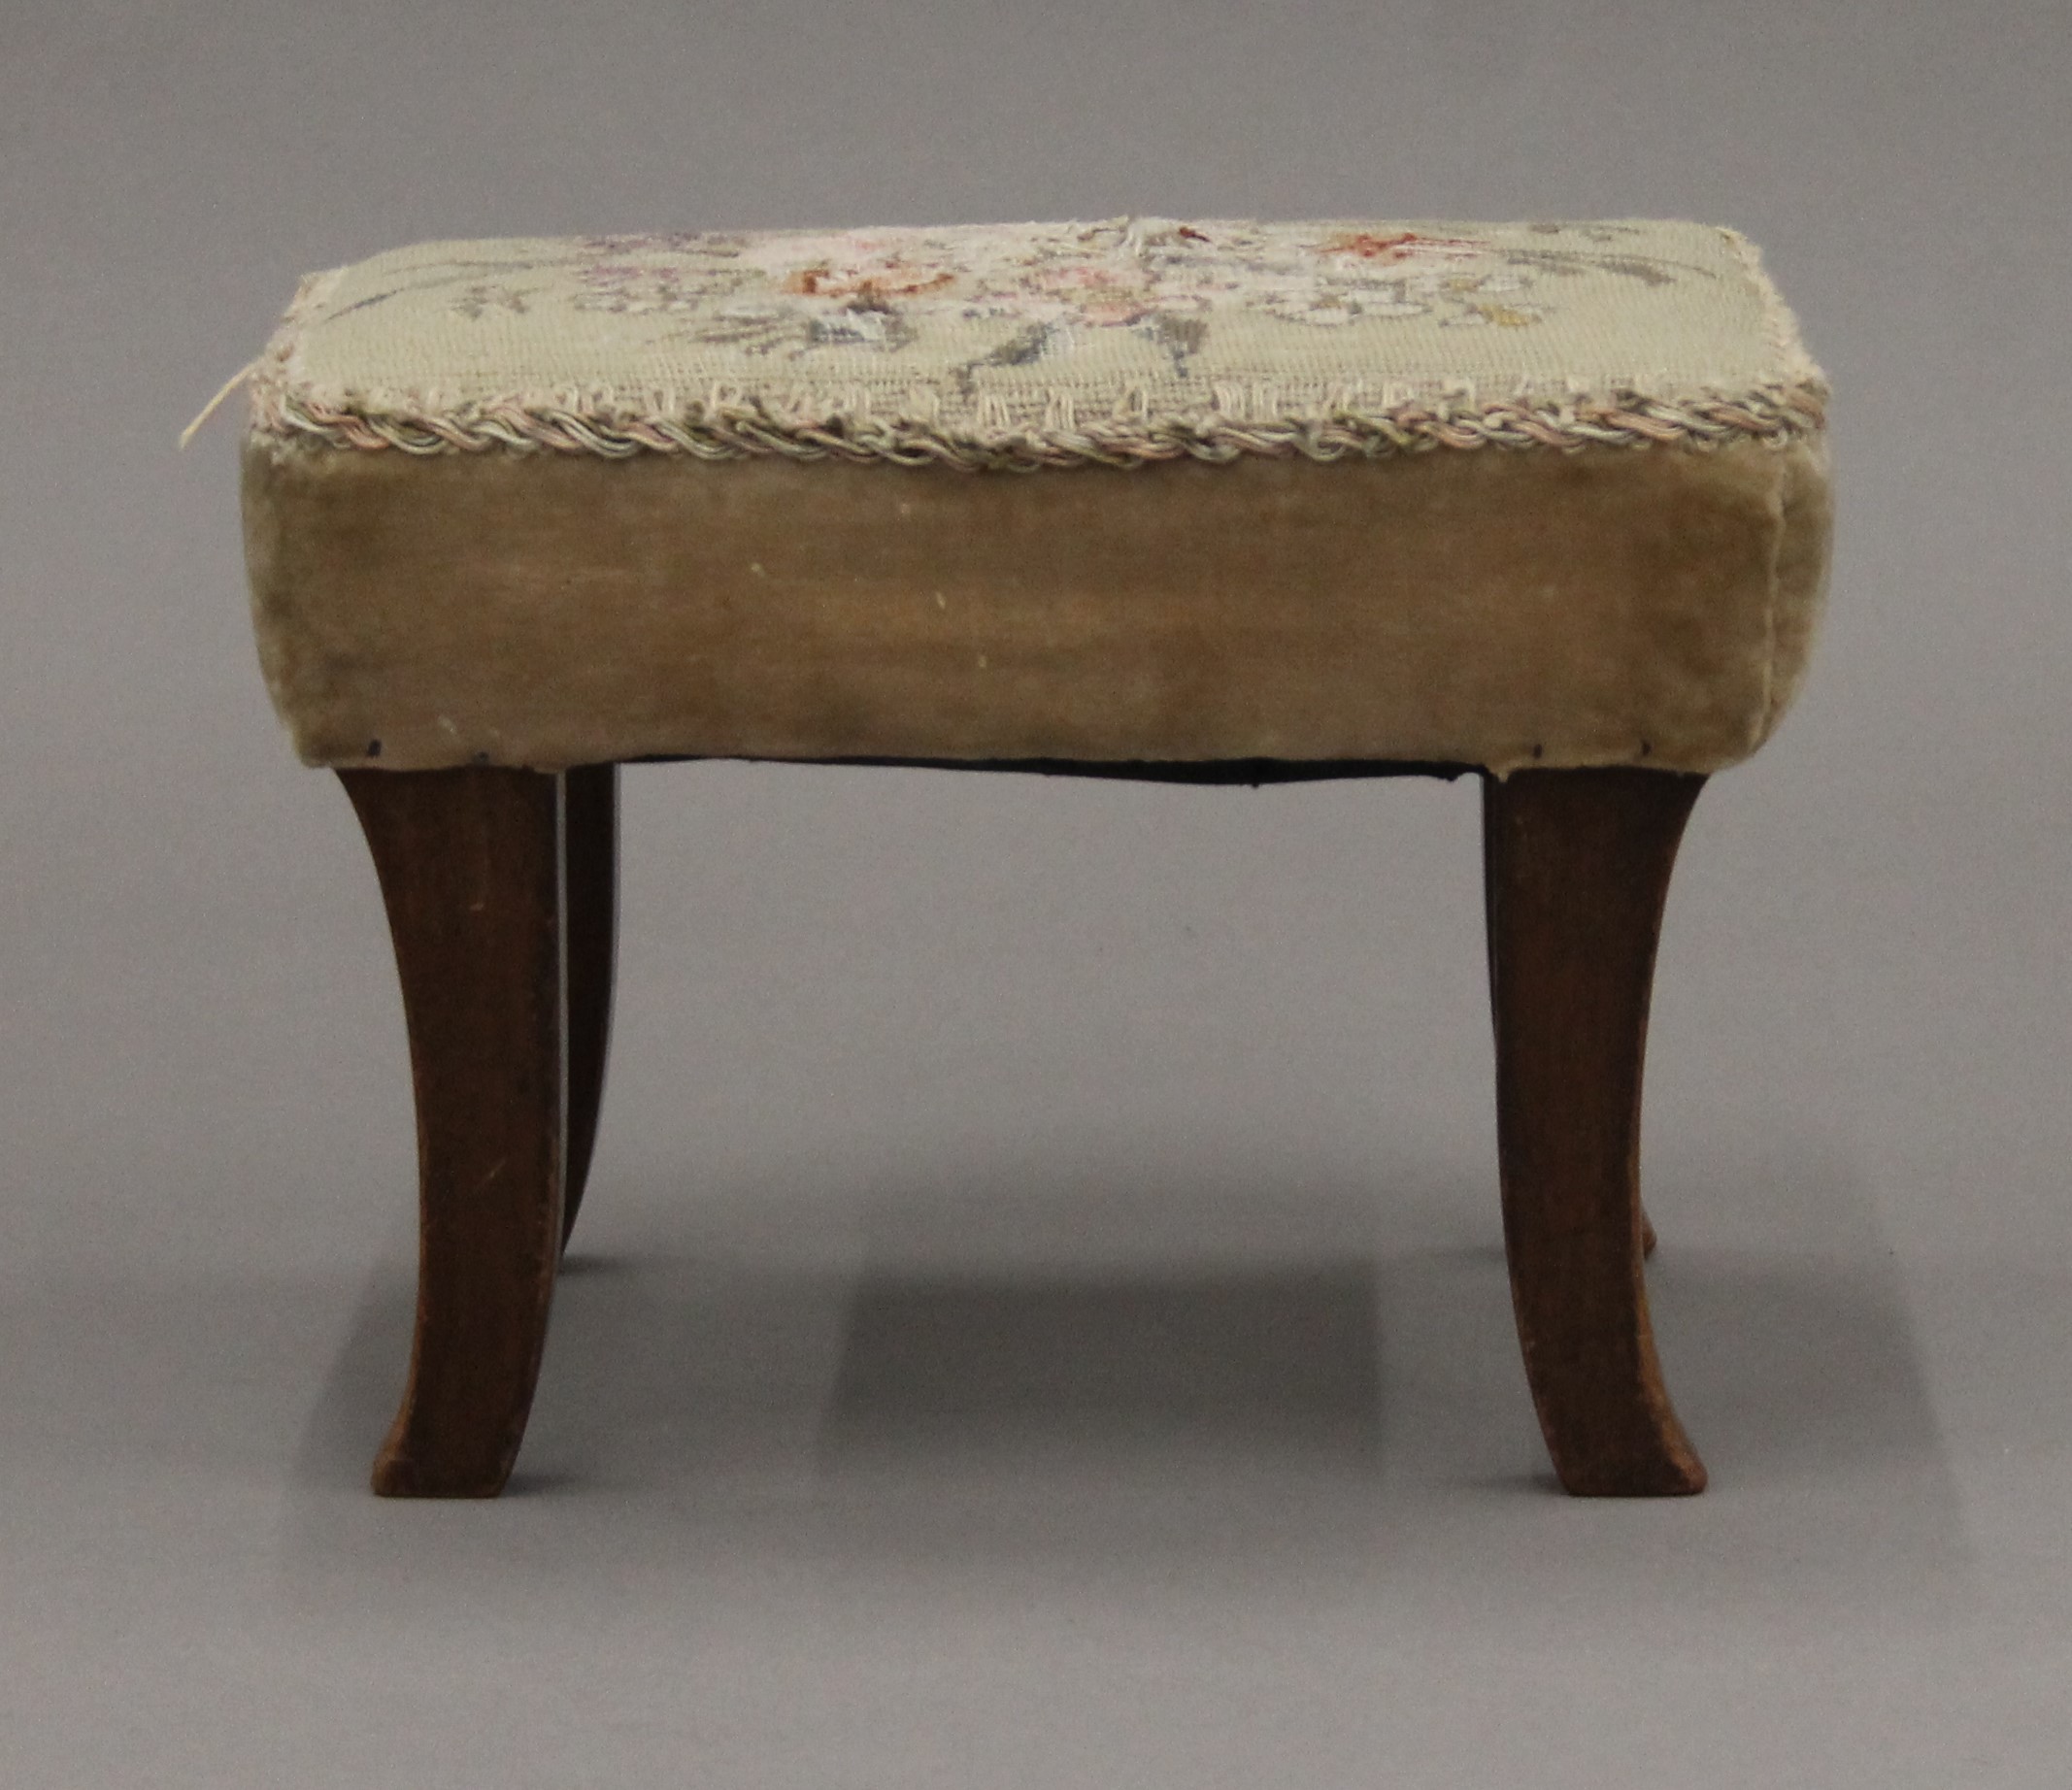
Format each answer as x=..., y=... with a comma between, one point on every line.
x=1775, y=415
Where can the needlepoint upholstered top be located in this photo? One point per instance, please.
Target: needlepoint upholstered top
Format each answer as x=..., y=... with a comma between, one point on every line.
x=1489, y=494
x=1210, y=501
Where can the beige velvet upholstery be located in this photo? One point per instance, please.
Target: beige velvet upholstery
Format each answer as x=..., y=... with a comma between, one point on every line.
x=1144, y=490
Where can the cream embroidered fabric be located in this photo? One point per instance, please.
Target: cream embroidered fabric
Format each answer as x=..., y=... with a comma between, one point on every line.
x=1048, y=343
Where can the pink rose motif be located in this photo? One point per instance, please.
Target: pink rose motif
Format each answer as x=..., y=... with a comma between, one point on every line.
x=1089, y=292
x=1400, y=246
x=887, y=279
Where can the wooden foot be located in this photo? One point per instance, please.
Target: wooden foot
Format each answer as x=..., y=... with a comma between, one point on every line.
x=592, y=891
x=471, y=869
x=1576, y=866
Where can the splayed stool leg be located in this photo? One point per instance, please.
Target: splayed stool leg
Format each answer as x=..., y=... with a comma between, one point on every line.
x=470, y=867
x=590, y=849
x=1576, y=869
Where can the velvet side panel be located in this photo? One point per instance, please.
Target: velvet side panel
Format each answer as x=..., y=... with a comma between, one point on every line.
x=1614, y=606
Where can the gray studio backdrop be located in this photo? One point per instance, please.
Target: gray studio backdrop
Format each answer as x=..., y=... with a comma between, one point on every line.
x=1039, y=1318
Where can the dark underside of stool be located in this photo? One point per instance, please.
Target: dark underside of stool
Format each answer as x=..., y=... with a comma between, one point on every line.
x=1207, y=774
x=501, y=886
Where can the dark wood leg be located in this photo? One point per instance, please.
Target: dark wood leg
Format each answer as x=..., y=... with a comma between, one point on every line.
x=471, y=869
x=592, y=848
x=1576, y=866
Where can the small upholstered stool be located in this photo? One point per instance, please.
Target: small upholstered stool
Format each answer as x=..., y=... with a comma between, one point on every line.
x=1209, y=501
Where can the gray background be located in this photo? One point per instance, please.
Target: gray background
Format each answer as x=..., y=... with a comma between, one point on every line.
x=1039, y=1318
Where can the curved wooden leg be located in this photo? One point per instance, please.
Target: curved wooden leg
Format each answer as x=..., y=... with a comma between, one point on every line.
x=1576, y=866
x=471, y=869
x=592, y=848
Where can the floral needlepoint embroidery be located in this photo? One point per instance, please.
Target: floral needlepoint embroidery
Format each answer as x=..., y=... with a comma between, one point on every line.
x=803, y=291
x=1053, y=343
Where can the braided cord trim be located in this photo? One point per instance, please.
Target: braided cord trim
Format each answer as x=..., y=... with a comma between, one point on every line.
x=1775, y=415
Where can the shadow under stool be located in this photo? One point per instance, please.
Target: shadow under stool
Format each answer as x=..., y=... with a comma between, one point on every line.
x=1213, y=502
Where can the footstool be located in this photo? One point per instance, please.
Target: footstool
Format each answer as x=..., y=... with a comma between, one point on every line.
x=1203, y=501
